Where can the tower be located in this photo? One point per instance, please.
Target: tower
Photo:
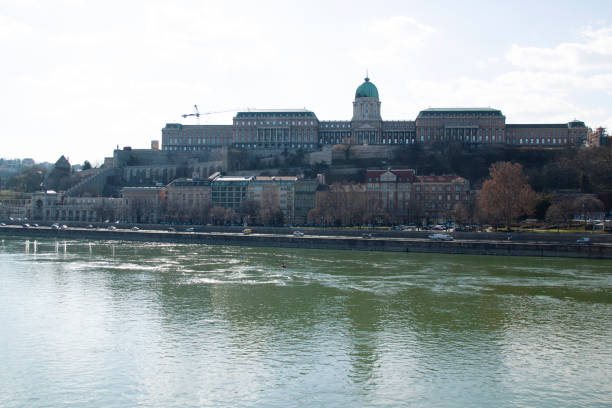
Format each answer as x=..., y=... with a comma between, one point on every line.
x=366, y=105
x=366, y=123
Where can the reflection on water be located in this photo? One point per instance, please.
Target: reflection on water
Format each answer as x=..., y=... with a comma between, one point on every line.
x=124, y=324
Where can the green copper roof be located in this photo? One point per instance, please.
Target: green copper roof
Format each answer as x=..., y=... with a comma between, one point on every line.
x=367, y=90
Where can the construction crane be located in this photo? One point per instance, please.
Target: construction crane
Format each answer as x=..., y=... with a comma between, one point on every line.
x=197, y=113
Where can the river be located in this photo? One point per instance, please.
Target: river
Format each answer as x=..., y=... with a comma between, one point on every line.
x=118, y=324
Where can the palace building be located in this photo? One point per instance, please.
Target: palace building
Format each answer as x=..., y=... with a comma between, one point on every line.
x=282, y=129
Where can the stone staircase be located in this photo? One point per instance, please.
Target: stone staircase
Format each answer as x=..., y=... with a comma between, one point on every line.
x=97, y=180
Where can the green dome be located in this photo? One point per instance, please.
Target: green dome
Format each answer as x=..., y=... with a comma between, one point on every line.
x=367, y=90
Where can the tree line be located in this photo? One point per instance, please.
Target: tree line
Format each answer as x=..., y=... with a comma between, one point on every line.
x=588, y=169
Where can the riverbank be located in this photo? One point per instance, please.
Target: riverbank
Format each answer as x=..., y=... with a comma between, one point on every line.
x=421, y=244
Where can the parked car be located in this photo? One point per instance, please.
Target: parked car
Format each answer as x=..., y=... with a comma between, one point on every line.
x=90, y=226
x=35, y=225
x=55, y=226
x=366, y=236
x=441, y=237
x=247, y=231
x=171, y=229
x=190, y=229
x=298, y=234
x=134, y=228
x=64, y=227
x=2, y=224
x=26, y=225
x=583, y=240
x=112, y=227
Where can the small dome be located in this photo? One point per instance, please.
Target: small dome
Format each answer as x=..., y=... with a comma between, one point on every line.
x=367, y=90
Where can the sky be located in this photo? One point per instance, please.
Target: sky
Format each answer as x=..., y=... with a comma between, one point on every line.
x=79, y=78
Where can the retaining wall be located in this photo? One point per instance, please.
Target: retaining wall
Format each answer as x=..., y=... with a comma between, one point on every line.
x=473, y=247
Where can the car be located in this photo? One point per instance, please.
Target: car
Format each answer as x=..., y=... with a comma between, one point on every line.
x=64, y=227
x=247, y=231
x=35, y=225
x=171, y=229
x=55, y=226
x=135, y=228
x=112, y=227
x=190, y=229
x=441, y=237
x=298, y=234
x=366, y=236
x=2, y=224
x=583, y=240
x=26, y=225
x=90, y=226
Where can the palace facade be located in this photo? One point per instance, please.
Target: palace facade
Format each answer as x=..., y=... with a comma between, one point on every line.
x=301, y=129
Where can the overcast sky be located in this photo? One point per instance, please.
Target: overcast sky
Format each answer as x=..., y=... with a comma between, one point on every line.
x=80, y=77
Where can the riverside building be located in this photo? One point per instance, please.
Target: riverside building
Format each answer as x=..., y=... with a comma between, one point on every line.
x=292, y=129
x=402, y=192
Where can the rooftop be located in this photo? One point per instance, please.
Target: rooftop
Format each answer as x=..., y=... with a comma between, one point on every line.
x=262, y=113
x=233, y=178
x=275, y=178
x=185, y=182
x=464, y=111
x=403, y=176
x=438, y=179
x=537, y=126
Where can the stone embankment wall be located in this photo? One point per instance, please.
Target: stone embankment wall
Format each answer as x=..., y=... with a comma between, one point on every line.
x=376, y=243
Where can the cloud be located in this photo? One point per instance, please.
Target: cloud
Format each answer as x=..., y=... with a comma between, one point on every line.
x=531, y=85
x=391, y=40
x=594, y=53
x=12, y=30
x=400, y=32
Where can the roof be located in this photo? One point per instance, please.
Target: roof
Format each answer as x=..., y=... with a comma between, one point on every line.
x=460, y=110
x=276, y=110
x=537, y=126
x=62, y=162
x=576, y=124
x=478, y=111
x=367, y=90
x=403, y=176
x=196, y=127
x=232, y=178
x=142, y=188
x=185, y=182
x=275, y=178
x=438, y=179
x=257, y=113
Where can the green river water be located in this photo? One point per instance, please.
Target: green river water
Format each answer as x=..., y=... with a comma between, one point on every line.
x=127, y=324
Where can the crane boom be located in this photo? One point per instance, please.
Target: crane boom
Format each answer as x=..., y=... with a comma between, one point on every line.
x=197, y=113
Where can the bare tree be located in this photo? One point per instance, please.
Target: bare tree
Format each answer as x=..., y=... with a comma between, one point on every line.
x=249, y=210
x=506, y=195
x=217, y=215
x=561, y=211
x=587, y=206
